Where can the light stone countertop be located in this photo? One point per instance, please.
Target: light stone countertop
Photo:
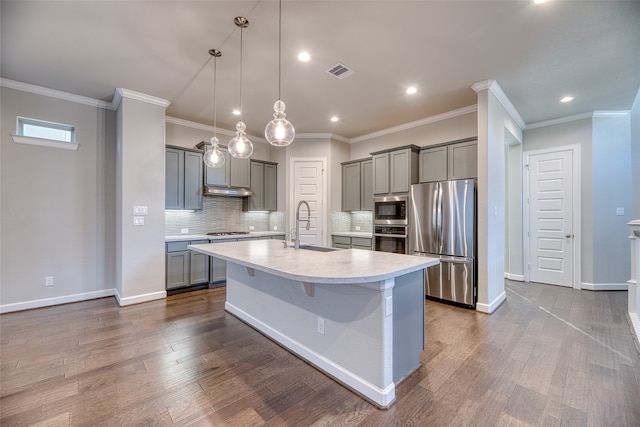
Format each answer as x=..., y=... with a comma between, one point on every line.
x=342, y=266
x=364, y=234
x=188, y=237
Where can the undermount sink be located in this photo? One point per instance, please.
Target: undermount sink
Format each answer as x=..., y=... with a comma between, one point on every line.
x=319, y=248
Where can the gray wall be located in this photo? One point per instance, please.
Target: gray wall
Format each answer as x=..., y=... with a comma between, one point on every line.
x=606, y=183
x=58, y=206
x=459, y=127
x=635, y=158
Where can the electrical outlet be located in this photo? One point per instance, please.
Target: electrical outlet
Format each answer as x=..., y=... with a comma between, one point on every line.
x=320, y=325
x=275, y=228
x=48, y=281
x=184, y=231
x=138, y=220
x=251, y=228
x=619, y=211
x=357, y=228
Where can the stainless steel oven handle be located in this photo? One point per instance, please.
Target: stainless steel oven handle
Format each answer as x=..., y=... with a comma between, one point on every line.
x=401, y=236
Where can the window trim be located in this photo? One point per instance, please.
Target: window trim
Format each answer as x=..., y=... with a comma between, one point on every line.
x=20, y=138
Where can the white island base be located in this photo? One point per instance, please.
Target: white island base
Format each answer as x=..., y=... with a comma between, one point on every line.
x=365, y=331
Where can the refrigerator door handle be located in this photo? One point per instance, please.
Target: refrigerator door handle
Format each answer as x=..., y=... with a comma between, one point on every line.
x=454, y=260
x=439, y=217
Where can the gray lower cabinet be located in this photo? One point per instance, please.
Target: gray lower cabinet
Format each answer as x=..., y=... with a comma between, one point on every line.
x=395, y=170
x=348, y=242
x=449, y=162
x=264, y=181
x=184, y=267
x=357, y=185
x=183, y=178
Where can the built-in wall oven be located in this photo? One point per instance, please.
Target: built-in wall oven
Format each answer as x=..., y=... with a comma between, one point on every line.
x=390, y=224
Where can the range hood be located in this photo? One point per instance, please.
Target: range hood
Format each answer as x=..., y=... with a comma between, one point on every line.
x=210, y=190
x=222, y=191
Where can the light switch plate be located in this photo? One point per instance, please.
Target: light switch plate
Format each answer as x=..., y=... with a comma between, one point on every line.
x=140, y=210
x=184, y=231
x=138, y=220
x=251, y=228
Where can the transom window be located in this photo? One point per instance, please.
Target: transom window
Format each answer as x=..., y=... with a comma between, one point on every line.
x=46, y=130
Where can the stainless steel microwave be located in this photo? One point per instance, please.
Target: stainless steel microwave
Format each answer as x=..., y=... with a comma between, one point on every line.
x=390, y=210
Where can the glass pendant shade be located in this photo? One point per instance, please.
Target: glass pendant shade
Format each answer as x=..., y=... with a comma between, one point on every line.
x=279, y=131
x=240, y=146
x=213, y=157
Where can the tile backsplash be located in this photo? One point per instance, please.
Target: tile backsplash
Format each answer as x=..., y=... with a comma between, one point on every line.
x=221, y=214
x=348, y=221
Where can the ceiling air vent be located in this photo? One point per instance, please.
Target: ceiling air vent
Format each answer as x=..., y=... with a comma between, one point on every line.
x=340, y=71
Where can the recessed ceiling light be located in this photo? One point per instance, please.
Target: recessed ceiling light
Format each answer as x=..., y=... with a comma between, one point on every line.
x=304, y=57
x=567, y=99
x=539, y=1
x=411, y=90
x=236, y=112
x=334, y=119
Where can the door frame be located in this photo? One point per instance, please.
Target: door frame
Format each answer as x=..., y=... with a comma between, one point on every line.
x=325, y=190
x=576, y=186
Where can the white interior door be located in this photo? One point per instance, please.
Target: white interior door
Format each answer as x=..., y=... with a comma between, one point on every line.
x=551, y=228
x=308, y=185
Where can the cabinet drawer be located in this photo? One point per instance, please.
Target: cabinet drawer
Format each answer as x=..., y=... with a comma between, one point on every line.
x=199, y=242
x=177, y=246
x=341, y=246
x=361, y=242
x=342, y=240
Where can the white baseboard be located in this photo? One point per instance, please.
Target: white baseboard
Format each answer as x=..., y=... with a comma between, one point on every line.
x=381, y=397
x=516, y=277
x=635, y=326
x=46, y=302
x=491, y=307
x=137, y=299
x=605, y=286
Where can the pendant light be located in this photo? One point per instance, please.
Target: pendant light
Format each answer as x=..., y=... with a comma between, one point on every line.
x=240, y=146
x=279, y=131
x=213, y=157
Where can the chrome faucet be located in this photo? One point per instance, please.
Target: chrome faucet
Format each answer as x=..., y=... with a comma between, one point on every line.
x=302, y=202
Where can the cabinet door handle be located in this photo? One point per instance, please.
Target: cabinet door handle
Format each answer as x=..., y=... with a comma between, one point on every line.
x=568, y=236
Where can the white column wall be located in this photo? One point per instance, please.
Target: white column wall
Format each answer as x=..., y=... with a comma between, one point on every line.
x=140, y=163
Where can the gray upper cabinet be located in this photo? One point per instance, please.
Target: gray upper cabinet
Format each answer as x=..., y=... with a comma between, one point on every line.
x=183, y=179
x=452, y=161
x=463, y=160
x=366, y=185
x=264, y=180
x=357, y=185
x=234, y=174
x=395, y=170
x=380, y=173
x=433, y=164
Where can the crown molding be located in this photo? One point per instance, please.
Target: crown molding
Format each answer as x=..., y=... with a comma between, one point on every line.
x=322, y=135
x=417, y=123
x=496, y=89
x=52, y=93
x=568, y=119
x=126, y=93
x=558, y=121
x=208, y=128
x=612, y=113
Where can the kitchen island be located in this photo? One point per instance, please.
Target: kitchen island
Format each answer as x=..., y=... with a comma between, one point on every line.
x=357, y=315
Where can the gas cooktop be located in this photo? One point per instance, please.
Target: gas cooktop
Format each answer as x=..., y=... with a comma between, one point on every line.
x=226, y=233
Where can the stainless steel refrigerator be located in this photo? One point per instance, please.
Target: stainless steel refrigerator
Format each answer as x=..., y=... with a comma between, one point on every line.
x=442, y=224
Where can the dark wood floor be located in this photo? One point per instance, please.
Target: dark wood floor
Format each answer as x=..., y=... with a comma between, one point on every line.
x=548, y=356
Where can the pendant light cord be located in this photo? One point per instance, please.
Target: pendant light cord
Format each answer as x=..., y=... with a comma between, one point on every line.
x=279, y=46
x=215, y=106
x=241, y=112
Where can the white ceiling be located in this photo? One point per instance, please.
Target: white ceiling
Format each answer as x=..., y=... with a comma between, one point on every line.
x=537, y=54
